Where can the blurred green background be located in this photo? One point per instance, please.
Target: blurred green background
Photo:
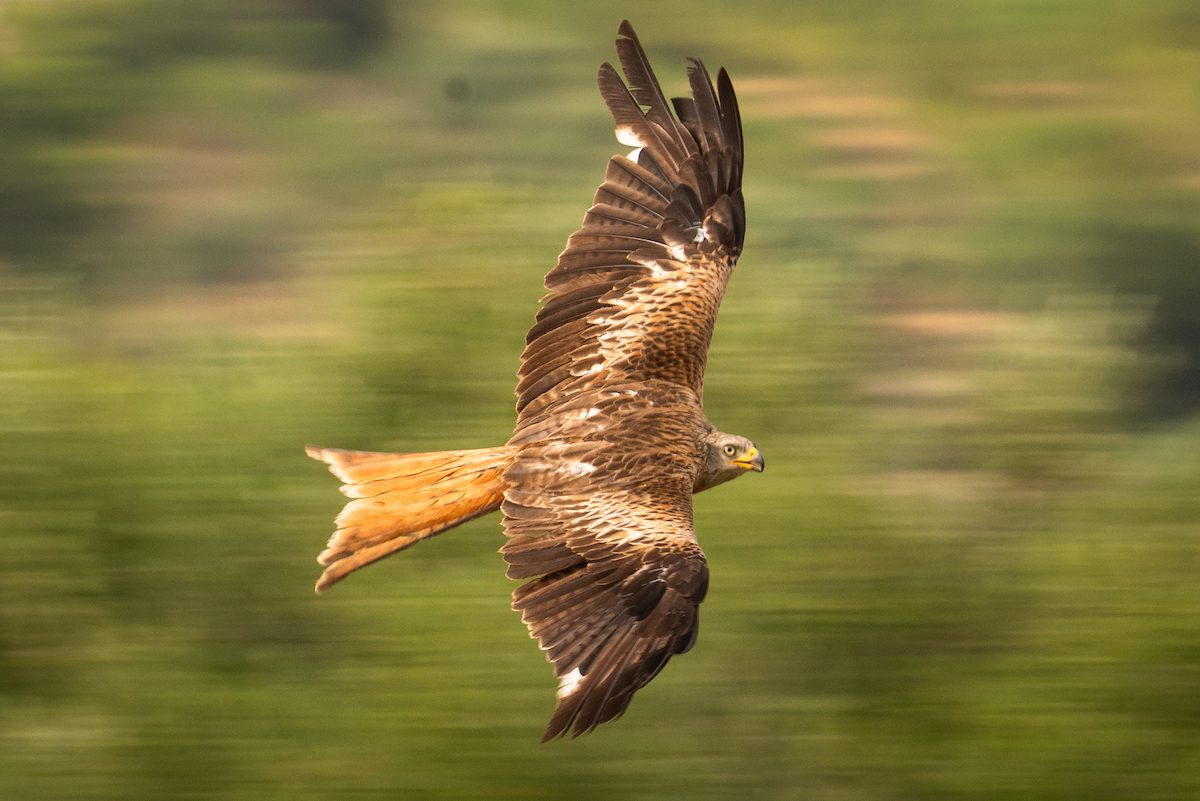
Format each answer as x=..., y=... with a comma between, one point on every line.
x=965, y=333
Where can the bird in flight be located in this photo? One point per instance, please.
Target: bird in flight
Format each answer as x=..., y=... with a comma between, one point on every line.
x=611, y=441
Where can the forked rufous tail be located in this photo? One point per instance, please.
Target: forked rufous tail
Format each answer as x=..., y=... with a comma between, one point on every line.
x=399, y=499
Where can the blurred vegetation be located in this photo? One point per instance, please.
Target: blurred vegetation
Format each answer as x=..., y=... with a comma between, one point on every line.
x=964, y=333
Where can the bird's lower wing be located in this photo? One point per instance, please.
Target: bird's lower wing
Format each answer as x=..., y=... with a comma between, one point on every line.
x=599, y=521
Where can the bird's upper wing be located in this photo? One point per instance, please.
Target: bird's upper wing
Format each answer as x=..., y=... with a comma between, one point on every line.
x=599, y=517
x=635, y=293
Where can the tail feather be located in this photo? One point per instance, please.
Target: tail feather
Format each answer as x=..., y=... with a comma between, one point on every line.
x=399, y=499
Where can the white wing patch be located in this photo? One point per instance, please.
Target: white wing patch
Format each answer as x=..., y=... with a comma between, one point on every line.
x=568, y=683
x=627, y=136
x=580, y=468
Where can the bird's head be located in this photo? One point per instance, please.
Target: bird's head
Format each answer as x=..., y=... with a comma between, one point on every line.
x=727, y=456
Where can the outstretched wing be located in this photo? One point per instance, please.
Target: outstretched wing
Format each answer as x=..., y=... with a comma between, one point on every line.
x=600, y=518
x=635, y=293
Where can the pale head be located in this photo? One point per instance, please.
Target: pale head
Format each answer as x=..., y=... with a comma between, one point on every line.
x=727, y=456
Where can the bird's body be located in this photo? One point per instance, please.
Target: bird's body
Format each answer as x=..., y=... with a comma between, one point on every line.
x=611, y=439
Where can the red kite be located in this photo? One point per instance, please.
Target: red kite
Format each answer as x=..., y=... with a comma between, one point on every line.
x=611, y=440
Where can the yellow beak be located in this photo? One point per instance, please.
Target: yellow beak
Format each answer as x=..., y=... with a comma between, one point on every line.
x=751, y=461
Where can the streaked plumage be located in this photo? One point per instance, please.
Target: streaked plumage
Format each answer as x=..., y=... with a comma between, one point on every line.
x=611, y=440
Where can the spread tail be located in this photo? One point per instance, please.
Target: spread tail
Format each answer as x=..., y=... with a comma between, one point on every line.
x=399, y=499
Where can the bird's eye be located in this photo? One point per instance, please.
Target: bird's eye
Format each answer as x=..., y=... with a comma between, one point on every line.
x=730, y=450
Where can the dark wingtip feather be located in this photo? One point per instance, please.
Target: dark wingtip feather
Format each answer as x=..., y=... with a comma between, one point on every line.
x=731, y=118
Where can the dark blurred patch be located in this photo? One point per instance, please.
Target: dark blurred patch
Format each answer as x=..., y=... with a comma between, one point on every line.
x=1178, y=24
x=456, y=89
x=1161, y=263
x=306, y=33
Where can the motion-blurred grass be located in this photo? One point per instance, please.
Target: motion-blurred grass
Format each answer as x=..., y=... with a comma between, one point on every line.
x=964, y=333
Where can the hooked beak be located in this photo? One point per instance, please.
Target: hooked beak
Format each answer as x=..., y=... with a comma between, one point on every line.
x=751, y=461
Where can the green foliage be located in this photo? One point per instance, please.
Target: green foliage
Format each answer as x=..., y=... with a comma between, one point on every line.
x=963, y=333
x=105, y=101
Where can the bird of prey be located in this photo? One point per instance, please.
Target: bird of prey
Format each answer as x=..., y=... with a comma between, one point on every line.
x=611, y=440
